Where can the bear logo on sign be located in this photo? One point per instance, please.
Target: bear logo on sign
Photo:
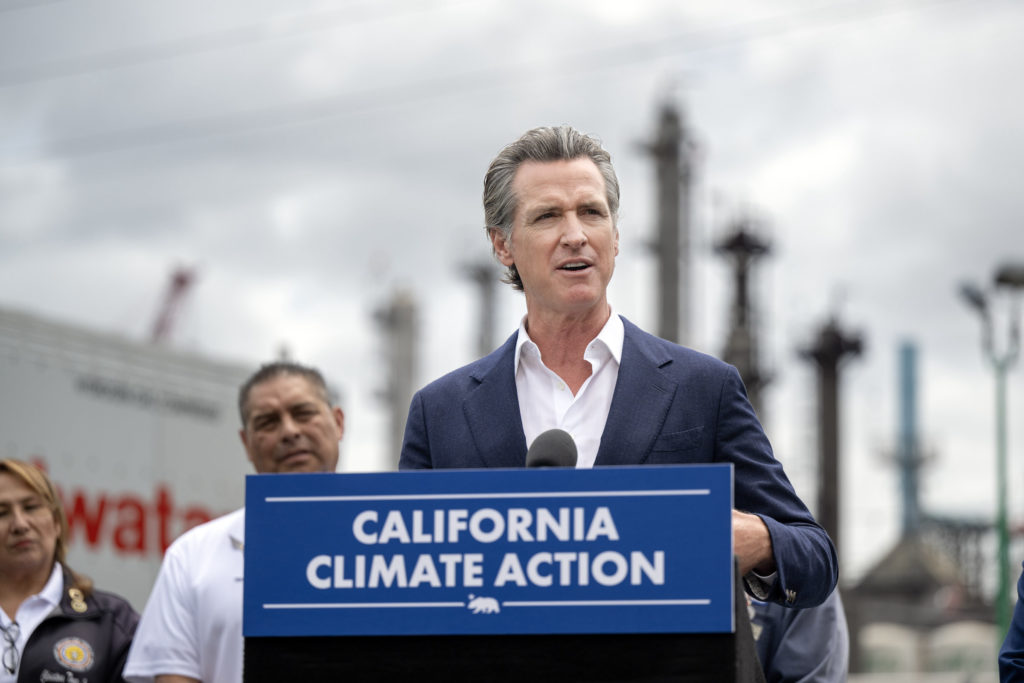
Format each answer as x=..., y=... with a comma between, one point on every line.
x=482, y=605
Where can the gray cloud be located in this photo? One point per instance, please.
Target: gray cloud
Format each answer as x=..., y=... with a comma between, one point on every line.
x=308, y=171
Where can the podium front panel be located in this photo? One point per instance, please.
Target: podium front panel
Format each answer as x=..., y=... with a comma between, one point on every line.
x=488, y=552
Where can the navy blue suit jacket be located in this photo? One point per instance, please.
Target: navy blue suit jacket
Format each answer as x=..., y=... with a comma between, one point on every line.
x=1011, y=654
x=671, y=405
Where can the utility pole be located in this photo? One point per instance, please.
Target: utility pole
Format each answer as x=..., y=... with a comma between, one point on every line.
x=397, y=320
x=673, y=152
x=831, y=347
x=742, y=247
x=1009, y=279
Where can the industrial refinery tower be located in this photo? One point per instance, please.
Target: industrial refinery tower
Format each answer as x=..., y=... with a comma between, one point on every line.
x=742, y=347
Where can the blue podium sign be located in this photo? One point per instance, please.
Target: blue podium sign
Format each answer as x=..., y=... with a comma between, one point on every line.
x=531, y=551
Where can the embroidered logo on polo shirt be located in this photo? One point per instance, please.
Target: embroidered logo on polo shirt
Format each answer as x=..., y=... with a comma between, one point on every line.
x=74, y=653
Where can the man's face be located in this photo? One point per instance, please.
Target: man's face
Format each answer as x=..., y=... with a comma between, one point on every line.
x=289, y=427
x=564, y=240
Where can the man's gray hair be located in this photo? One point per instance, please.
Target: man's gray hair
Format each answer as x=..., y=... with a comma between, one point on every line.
x=561, y=143
x=269, y=371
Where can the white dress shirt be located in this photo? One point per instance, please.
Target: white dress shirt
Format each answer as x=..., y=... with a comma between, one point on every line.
x=546, y=402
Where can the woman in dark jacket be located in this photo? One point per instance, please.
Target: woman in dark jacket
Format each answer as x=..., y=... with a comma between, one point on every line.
x=55, y=625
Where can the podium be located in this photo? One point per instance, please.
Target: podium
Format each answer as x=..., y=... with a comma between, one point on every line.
x=609, y=574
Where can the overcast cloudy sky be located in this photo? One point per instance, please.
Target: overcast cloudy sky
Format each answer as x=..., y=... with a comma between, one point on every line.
x=309, y=159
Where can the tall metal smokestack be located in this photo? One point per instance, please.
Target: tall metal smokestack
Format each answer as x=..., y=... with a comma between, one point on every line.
x=909, y=455
x=673, y=152
x=830, y=348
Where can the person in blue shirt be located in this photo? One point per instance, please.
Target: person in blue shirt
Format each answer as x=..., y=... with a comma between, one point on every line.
x=1011, y=654
x=809, y=645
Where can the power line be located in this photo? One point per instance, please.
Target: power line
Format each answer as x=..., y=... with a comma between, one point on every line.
x=277, y=29
x=422, y=90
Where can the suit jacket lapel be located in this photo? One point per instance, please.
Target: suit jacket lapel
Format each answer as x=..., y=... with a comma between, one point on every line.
x=492, y=411
x=643, y=394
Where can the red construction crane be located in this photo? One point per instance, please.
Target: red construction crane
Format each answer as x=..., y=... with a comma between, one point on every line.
x=181, y=279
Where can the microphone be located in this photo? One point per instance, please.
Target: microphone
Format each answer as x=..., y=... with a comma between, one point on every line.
x=553, y=448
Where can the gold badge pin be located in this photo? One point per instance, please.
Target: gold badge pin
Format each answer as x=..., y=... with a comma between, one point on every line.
x=77, y=600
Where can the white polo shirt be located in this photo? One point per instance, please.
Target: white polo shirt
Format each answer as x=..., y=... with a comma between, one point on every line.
x=31, y=613
x=192, y=624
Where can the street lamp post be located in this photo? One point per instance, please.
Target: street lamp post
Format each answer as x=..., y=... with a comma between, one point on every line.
x=1010, y=277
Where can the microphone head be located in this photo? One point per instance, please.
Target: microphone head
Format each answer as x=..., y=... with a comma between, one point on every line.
x=553, y=448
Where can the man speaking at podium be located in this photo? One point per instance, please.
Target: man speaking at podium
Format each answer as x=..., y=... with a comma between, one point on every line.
x=551, y=201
